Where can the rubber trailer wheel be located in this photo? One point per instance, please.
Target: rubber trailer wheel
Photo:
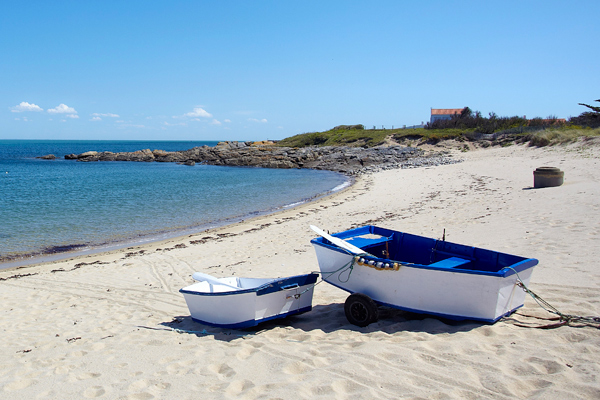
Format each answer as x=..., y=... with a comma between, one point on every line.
x=360, y=309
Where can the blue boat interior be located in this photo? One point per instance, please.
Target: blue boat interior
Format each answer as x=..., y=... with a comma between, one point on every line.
x=392, y=246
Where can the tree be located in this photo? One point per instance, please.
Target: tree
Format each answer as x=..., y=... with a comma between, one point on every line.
x=588, y=118
x=466, y=113
x=595, y=109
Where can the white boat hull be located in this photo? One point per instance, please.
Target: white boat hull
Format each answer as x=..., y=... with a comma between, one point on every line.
x=217, y=305
x=449, y=292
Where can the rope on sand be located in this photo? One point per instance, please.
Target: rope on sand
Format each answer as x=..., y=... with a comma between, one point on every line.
x=563, y=319
x=202, y=332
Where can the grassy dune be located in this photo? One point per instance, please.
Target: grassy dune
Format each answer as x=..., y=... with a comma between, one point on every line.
x=375, y=137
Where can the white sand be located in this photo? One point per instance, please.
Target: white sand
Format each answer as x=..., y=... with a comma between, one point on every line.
x=101, y=329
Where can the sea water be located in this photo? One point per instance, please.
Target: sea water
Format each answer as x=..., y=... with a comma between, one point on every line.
x=52, y=206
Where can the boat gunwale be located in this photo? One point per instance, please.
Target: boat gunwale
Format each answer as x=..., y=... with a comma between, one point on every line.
x=504, y=272
x=277, y=285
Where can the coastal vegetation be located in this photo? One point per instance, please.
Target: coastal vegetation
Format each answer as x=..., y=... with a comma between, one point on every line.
x=588, y=118
x=344, y=135
x=467, y=126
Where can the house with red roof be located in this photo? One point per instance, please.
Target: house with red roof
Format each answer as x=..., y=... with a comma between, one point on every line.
x=444, y=113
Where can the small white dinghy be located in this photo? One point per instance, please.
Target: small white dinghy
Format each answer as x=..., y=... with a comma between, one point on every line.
x=244, y=302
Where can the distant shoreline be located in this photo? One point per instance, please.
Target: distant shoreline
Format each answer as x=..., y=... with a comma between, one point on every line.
x=343, y=159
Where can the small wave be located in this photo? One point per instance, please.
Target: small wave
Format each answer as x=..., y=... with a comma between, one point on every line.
x=340, y=187
x=294, y=204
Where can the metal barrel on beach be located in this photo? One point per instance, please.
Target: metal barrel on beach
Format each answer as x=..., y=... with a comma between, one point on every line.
x=547, y=177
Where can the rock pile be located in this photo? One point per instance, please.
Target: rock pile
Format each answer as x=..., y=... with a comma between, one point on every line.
x=349, y=160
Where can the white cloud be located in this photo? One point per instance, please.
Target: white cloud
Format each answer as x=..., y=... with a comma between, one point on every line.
x=25, y=106
x=198, y=112
x=74, y=116
x=177, y=124
x=132, y=126
x=228, y=120
x=262, y=121
x=105, y=115
x=62, y=109
x=96, y=118
x=215, y=122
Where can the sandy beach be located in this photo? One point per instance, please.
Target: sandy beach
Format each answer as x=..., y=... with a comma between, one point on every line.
x=100, y=326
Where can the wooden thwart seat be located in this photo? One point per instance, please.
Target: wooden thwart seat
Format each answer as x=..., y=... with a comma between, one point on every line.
x=451, y=262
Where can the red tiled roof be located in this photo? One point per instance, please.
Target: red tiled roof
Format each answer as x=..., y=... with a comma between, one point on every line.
x=446, y=111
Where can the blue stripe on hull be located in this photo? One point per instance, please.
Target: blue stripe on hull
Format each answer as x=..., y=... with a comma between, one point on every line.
x=253, y=322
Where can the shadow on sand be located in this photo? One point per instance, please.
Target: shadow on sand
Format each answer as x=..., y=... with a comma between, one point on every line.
x=327, y=318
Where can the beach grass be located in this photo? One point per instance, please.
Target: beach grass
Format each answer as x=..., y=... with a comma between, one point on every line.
x=376, y=137
x=338, y=137
x=369, y=137
x=563, y=135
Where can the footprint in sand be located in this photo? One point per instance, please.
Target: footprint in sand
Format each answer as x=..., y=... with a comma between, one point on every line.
x=296, y=368
x=64, y=369
x=157, y=388
x=325, y=391
x=245, y=353
x=224, y=370
x=319, y=359
x=18, y=385
x=179, y=368
x=98, y=346
x=546, y=366
x=46, y=394
x=83, y=377
x=539, y=383
x=139, y=385
x=121, y=316
x=574, y=337
x=239, y=387
x=486, y=331
x=94, y=391
x=345, y=387
x=496, y=385
x=140, y=396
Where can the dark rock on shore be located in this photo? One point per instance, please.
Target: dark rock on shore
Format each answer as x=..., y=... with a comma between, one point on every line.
x=48, y=157
x=349, y=160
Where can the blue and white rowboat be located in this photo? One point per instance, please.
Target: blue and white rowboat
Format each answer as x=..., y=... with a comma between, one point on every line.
x=244, y=302
x=419, y=274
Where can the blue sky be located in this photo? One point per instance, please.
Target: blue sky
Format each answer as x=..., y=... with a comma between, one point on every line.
x=253, y=70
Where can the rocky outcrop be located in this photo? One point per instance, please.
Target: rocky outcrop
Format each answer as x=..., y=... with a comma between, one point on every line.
x=48, y=157
x=349, y=160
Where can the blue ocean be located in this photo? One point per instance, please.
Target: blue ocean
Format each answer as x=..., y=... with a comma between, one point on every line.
x=53, y=206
